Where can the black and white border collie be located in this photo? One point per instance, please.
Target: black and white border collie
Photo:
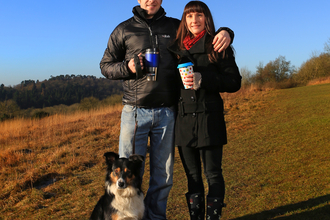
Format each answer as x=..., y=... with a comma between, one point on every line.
x=123, y=197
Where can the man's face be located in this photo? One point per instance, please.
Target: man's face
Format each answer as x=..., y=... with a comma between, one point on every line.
x=151, y=6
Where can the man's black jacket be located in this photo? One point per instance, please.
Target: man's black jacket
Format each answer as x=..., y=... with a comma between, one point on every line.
x=132, y=37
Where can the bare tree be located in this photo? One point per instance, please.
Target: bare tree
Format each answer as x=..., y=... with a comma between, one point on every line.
x=246, y=76
x=274, y=71
x=327, y=46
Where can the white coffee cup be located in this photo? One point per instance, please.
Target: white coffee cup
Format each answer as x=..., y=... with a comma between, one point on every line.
x=186, y=69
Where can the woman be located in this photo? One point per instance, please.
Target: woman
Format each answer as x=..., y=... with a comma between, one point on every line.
x=200, y=127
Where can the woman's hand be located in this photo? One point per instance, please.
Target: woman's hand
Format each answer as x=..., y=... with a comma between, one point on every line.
x=193, y=80
x=221, y=41
x=188, y=80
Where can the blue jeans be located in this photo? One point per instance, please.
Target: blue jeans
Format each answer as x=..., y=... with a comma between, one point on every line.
x=158, y=123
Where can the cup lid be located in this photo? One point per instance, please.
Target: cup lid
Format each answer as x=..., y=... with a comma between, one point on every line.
x=185, y=65
x=152, y=50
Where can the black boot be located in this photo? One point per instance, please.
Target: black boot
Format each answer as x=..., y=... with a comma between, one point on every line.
x=196, y=205
x=214, y=208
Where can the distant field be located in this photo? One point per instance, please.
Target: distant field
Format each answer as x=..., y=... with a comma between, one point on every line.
x=276, y=162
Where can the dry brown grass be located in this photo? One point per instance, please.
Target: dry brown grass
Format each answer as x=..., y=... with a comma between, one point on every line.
x=35, y=152
x=323, y=80
x=49, y=166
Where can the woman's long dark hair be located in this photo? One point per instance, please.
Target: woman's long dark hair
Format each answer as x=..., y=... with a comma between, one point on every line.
x=183, y=31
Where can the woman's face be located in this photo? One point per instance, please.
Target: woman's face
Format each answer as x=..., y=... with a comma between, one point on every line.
x=195, y=22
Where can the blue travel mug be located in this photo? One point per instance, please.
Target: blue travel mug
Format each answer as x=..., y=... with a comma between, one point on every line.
x=151, y=63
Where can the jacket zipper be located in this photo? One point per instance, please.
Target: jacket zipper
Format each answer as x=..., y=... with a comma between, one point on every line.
x=153, y=44
x=153, y=39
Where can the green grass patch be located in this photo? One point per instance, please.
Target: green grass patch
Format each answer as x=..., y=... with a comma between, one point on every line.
x=278, y=168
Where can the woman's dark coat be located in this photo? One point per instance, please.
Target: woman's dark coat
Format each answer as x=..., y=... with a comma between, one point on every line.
x=200, y=120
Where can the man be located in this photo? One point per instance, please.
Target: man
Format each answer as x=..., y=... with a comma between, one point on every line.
x=149, y=103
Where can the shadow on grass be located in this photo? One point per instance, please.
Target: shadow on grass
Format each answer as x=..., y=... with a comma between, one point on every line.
x=321, y=213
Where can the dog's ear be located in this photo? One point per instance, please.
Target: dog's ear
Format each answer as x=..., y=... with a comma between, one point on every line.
x=138, y=159
x=110, y=157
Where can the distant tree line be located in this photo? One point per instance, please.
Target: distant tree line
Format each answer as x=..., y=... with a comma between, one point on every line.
x=279, y=73
x=91, y=92
x=63, y=89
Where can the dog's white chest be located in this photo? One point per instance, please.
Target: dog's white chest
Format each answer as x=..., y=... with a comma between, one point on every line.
x=129, y=208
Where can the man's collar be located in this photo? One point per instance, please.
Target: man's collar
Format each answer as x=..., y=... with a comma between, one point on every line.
x=140, y=12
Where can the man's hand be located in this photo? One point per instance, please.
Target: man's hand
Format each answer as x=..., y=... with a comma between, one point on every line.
x=131, y=64
x=221, y=41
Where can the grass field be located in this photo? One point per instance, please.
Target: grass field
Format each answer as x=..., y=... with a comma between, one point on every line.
x=276, y=163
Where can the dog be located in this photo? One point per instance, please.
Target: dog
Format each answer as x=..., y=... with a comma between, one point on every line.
x=123, y=197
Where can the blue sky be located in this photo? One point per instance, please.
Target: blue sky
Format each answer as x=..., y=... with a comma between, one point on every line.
x=39, y=39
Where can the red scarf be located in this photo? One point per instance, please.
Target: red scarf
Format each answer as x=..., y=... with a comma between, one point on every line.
x=188, y=42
